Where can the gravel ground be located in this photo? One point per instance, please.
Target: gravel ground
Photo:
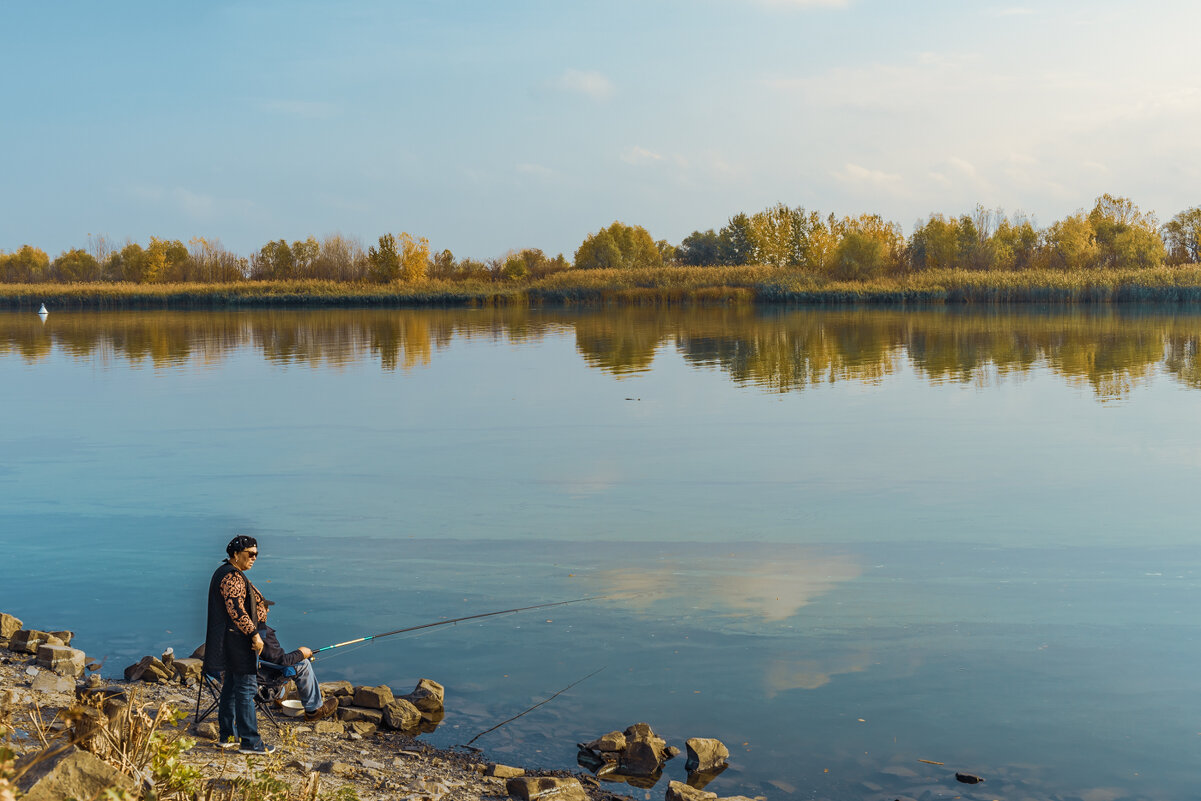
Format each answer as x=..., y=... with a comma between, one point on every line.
x=383, y=765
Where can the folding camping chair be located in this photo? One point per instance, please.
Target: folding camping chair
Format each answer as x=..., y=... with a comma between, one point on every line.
x=273, y=682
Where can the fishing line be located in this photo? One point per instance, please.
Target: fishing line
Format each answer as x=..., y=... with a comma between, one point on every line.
x=535, y=706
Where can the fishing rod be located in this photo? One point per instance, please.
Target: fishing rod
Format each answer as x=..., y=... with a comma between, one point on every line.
x=449, y=622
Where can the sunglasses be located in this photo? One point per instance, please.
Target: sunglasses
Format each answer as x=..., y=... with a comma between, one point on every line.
x=253, y=554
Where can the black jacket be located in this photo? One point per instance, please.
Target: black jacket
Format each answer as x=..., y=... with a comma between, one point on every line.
x=226, y=648
x=273, y=652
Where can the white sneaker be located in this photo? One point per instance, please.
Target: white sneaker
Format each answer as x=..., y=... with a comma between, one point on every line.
x=228, y=744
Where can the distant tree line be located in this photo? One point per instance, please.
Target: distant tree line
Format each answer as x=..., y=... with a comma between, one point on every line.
x=1114, y=233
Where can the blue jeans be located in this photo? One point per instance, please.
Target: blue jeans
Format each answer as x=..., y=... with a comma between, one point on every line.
x=306, y=686
x=235, y=712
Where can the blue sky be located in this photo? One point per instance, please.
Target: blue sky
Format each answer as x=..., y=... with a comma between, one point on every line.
x=487, y=126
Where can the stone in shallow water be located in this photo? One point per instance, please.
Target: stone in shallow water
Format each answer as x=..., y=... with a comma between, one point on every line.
x=678, y=791
x=641, y=756
x=400, y=715
x=428, y=696
x=705, y=754
x=613, y=741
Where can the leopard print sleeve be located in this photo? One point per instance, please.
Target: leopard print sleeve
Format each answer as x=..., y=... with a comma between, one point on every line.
x=233, y=592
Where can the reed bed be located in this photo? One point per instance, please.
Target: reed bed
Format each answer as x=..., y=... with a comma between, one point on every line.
x=1159, y=284
x=254, y=294
x=663, y=286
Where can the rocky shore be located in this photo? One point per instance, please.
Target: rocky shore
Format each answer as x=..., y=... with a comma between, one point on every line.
x=71, y=733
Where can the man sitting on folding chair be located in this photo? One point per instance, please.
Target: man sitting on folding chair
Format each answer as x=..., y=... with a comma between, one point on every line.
x=274, y=664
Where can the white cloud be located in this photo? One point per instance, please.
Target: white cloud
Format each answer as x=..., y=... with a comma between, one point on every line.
x=640, y=155
x=938, y=131
x=535, y=169
x=589, y=83
x=861, y=177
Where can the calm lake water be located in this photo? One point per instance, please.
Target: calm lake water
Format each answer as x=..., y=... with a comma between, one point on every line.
x=839, y=541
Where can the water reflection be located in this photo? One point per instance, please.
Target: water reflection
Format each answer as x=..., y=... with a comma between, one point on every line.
x=1111, y=351
x=810, y=674
x=767, y=588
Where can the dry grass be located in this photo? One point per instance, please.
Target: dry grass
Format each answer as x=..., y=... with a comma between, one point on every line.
x=700, y=286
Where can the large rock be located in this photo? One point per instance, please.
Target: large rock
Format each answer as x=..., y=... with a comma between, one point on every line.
x=545, y=788
x=643, y=753
x=640, y=730
x=329, y=727
x=65, y=636
x=499, y=771
x=148, y=669
x=373, y=697
x=188, y=669
x=342, y=769
x=642, y=756
x=705, y=754
x=9, y=626
x=349, y=714
x=613, y=741
x=49, y=682
x=336, y=688
x=62, y=659
x=362, y=728
x=27, y=641
x=678, y=791
x=73, y=773
x=428, y=696
x=207, y=729
x=401, y=715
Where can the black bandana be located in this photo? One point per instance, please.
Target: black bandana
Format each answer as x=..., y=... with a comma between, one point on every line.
x=240, y=543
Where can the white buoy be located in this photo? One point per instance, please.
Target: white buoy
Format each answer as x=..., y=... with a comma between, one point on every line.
x=42, y=311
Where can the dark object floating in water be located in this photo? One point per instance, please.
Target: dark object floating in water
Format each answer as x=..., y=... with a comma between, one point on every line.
x=968, y=778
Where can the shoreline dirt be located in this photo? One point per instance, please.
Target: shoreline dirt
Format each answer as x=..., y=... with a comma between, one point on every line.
x=376, y=764
x=381, y=765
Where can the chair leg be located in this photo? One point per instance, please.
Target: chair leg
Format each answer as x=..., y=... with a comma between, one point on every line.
x=201, y=685
x=265, y=708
